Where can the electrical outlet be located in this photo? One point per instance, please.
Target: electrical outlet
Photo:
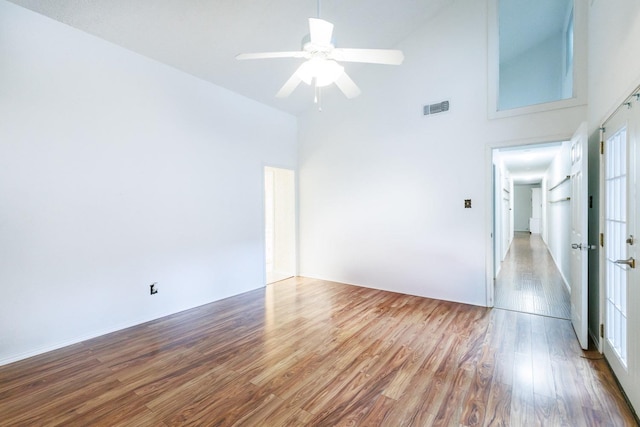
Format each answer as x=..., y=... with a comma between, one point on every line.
x=153, y=288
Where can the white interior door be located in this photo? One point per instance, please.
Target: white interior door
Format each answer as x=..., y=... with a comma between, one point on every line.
x=536, y=211
x=280, y=224
x=506, y=225
x=579, y=235
x=622, y=290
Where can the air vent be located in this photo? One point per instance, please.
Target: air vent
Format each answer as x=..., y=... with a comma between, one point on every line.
x=439, y=107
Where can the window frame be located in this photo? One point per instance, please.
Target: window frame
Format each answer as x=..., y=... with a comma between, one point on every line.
x=579, y=66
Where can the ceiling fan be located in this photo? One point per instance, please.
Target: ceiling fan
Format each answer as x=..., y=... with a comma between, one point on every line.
x=321, y=67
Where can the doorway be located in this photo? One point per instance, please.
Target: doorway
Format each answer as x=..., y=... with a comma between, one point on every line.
x=280, y=224
x=532, y=223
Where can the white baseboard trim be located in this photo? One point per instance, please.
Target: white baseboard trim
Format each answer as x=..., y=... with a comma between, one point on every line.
x=66, y=343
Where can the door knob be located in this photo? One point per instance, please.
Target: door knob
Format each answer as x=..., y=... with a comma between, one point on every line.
x=630, y=262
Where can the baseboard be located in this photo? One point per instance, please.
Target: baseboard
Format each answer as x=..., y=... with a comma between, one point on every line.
x=555, y=261
x=72, y=341
x=94, y=334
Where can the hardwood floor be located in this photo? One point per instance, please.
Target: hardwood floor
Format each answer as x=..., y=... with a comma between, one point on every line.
x=307, y=352
x=529, y=280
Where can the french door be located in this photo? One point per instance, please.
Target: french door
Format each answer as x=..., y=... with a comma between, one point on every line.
x=620, y=217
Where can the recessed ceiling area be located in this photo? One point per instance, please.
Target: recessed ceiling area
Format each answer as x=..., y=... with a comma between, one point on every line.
x=528, y=164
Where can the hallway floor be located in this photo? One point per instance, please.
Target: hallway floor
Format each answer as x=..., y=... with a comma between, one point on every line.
x=529, y=280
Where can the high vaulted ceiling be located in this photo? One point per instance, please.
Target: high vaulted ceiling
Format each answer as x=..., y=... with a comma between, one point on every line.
x=202, y=37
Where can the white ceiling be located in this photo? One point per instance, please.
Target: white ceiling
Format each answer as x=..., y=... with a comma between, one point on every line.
x=202, y=37
x=527, y=164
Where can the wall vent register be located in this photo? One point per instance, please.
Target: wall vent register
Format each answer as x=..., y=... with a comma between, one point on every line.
x=439, y=107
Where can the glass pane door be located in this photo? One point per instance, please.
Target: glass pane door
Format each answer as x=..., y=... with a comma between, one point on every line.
x=615, y=242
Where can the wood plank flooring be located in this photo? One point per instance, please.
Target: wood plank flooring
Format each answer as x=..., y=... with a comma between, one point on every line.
x=304, y=352
x=529, y=280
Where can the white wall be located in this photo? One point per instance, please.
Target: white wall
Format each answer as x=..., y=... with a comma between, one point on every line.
x=116, y=172
x=614, y=66
x=382, y=187
x=558, y=212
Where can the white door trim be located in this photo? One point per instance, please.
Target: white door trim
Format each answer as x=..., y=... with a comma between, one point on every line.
x=489, y=205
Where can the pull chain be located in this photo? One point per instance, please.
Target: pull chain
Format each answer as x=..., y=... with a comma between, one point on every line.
x=317, y=99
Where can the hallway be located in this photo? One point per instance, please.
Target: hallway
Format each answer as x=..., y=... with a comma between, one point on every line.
x=529, y=280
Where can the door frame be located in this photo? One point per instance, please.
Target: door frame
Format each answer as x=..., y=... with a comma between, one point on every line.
x=635, y=88
x=632, y=393
x=489, y=205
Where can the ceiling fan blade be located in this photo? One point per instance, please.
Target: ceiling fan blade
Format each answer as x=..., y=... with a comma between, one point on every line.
x=347, y=86
x=320, y=31
x=289, y=86
x=372, y=56
x=269, y=55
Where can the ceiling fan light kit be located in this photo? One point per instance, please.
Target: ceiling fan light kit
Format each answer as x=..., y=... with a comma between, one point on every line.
x=323, y=71
x=321, y=67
